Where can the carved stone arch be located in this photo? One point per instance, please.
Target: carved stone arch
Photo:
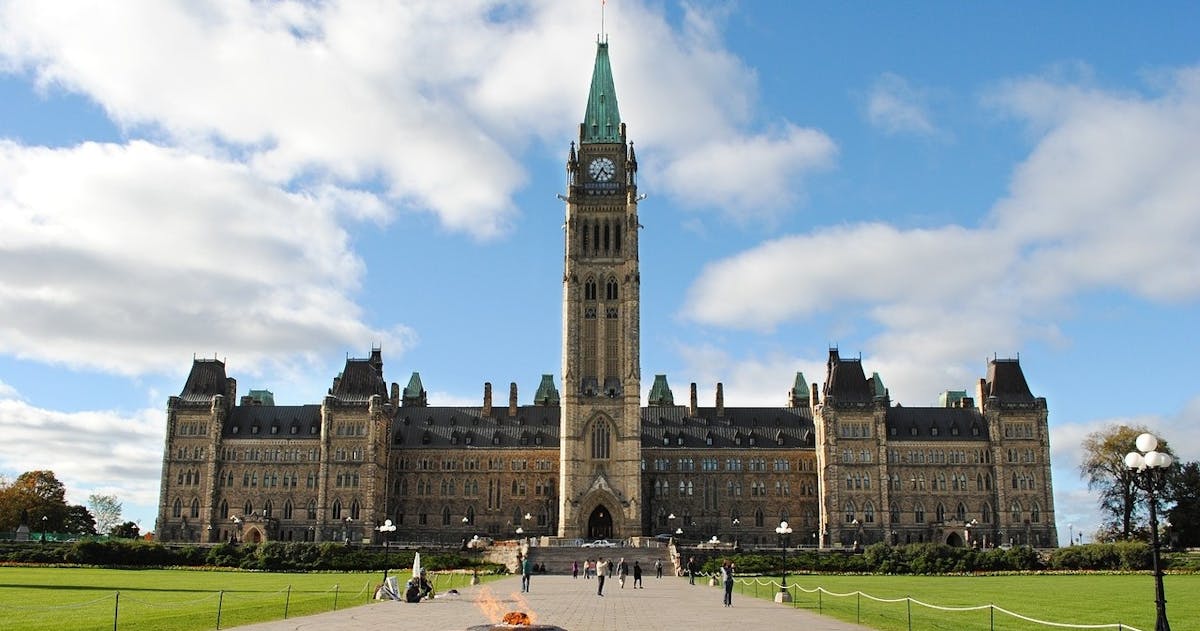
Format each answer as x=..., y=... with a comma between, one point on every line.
x=597, y=507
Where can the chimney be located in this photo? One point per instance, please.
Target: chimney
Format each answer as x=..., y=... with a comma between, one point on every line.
x=512, y=399
x=981, y=392
x=720, y=399
x=395, y=394
x=815, y=394
x=487, y=399
x=692, y=402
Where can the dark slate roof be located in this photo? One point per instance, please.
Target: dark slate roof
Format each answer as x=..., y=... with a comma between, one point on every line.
x=360, y=380
x=968, y=421
x=273, y=421
x=846, y=380
x=766, y=425
x=534, y=426
x=206, y=380
x=1006, y=381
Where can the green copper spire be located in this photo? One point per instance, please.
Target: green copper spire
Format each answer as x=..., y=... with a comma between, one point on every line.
x=602, y=120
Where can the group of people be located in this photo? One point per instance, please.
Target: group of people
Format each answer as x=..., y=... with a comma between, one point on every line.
x=620, y=568
x=727, y=568
x=418, y=588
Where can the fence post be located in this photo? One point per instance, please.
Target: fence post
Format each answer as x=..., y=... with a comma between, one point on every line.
x=335, y=595
x=908, y=603
x=820, y=601
x=991, y=617
x=287, y=600
x=220, y=602
x=858, y=607
x=116, y=609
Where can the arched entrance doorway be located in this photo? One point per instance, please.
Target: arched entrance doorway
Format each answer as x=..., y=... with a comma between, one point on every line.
x=600, y=523
x=254, y=536
x=954, y=540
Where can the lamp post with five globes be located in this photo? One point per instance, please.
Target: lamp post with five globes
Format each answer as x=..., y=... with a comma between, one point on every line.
x=1149, y=469
x=386, y=529
x=785, y=534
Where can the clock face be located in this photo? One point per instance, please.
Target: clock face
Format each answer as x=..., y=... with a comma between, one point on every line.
x=602, y=169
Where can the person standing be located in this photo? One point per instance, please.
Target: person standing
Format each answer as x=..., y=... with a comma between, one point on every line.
x=637, y=576
x=622, y=572
x=727, y=579
x=574, y=569
x=658, y=568
x=601, y=572
x=526, y=572
x=691, y=570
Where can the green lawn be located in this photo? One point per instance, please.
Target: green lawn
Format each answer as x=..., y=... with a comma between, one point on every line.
x=1074, y=599
x=36, y=598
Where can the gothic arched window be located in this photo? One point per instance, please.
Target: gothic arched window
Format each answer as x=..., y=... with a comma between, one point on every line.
x=601, y=436
x=195, y=508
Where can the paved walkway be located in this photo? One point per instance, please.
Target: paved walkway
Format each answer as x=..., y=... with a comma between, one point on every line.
x=667, y=603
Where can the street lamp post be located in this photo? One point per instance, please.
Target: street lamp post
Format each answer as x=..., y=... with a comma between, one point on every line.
x=44, y=518
x=1149, y=469
x=386, y=529
x=967, y=528
x=785, y=535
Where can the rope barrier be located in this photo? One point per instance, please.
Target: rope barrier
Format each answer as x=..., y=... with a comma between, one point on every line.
x=757, y=581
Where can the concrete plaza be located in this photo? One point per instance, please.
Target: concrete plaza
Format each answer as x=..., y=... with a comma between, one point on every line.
x=667, y=603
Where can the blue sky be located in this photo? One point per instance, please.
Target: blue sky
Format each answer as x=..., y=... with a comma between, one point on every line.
x=282, y=185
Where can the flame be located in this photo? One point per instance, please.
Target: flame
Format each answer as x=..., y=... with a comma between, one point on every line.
x=499, y=611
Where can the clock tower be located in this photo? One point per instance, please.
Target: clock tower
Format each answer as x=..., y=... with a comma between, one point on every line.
x=600, y=456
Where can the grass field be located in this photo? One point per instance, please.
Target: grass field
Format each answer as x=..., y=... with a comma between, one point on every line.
x=38, y=598
x=1080, y=599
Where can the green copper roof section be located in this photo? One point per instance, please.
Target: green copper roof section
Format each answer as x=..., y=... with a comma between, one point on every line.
x=602, y=120
x=262, y=397
x=660, y=392
x=951, y=398
x=414, y=387
x=800, y=388
x=547, y=394
x=877, y=381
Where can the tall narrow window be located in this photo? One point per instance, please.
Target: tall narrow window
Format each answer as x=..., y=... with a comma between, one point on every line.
x=601, y=435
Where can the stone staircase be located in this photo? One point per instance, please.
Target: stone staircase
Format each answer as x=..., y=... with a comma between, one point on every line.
x=557, y=559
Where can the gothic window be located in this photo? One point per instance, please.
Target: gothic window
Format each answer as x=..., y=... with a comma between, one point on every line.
x=986, y=512
x=471, y=515
x=336, y=513
x=312, y=510
x=601, y=435
x=610, y=289
x=919, y=513
x=596, y=236
x=961, y=512
x=850, y=512
x=224, y=509
x=758, y=518
x=617, y=238
x=354, y=509
x=445, y=515
x=606, y=238
x=1015, y=512
x=894, y=511
x=287, y=509
x=941, y=513
x=248, y=508
x=267, y=508
x=177, y=508
x=584, y=235
x=978, y=481
x=869, y=513
x=589, y=289
x=1035, y=513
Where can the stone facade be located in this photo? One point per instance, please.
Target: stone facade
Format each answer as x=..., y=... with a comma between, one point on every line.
x=838, y=460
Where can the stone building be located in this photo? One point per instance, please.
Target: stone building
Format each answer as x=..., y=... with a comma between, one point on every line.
x=837, y=460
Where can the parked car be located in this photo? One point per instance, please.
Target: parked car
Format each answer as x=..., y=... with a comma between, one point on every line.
x=664, y=536
x=600, y=543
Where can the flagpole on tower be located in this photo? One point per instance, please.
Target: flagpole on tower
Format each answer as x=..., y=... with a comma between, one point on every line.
x=603, y=35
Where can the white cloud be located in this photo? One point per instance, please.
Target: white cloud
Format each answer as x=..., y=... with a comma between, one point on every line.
x=7, y=391
x=435, y=102
x=897, y=108
x=1109, y=198
x=92, y=451
x=114, y=258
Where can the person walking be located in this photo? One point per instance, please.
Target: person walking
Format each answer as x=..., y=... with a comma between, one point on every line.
x=574, y=569
x=727, y=579
x=526, y=573
x=601, y=571
x=691, y=570
x=622, y=572
x=658, y=568
x=637, y=576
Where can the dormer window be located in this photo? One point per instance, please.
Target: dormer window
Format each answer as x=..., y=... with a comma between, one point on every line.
x=234, y=429
x=679, y=440
x=253, y=429
x=933, y=431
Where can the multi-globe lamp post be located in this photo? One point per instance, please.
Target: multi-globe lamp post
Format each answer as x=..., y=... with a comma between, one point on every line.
x=785, y=534
x=1149, y=469
x=386, y=529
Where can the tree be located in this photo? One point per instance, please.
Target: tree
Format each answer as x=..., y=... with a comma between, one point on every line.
x=1183, y=488
x=79, y=521
x=34, y=495
x=1104, y=469
x=106, y=509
